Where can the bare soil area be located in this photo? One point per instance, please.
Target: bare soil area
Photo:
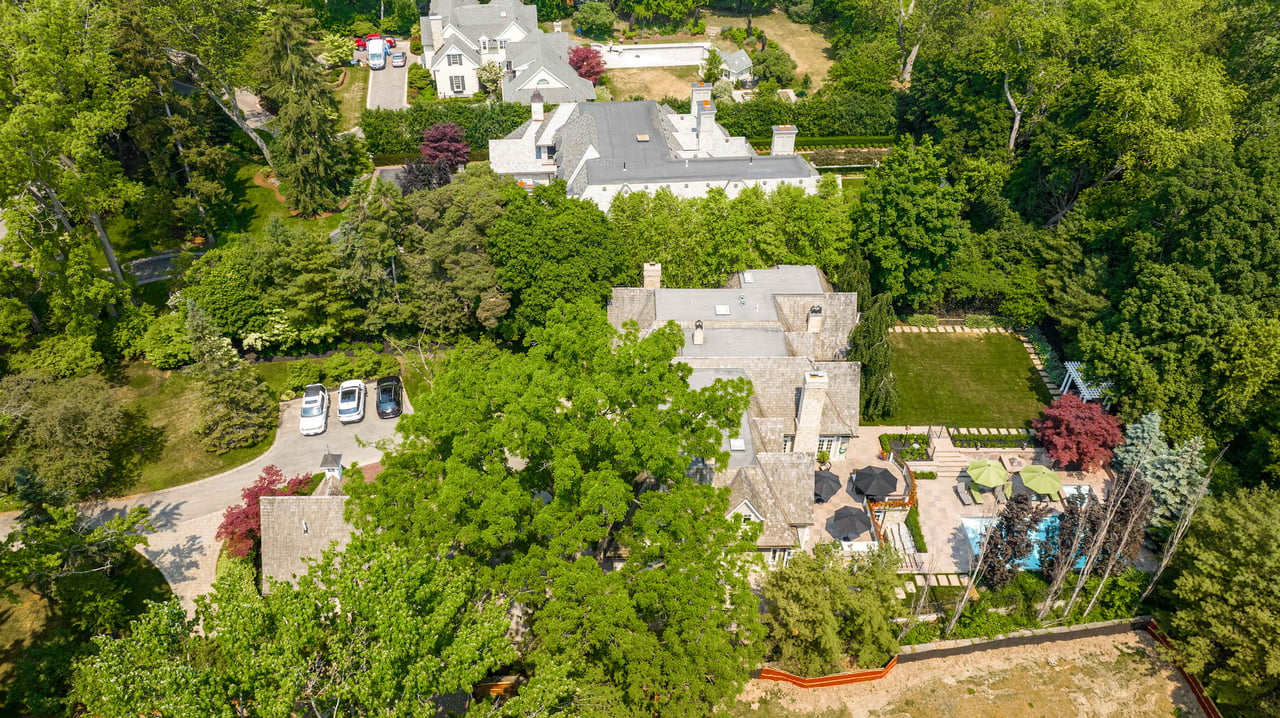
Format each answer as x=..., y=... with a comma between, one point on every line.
x=652, y=83
x=1101, y=677
x=808, y=48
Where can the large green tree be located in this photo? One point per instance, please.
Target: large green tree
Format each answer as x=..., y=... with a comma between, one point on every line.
x=908, y=221
x=378, y=629
x=820, y=610
x=547, y=467
x=869, y=344
x=1224, y=596
x=314, y=164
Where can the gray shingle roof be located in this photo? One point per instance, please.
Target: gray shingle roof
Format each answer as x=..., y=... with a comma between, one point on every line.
x=545, y=52
x=737, y=61
x=295, y=528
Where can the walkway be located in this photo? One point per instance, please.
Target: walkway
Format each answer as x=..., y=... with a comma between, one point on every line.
x=186, y=517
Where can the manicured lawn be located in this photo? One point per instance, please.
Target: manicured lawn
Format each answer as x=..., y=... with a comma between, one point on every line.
x=853, y=184
x=257, y=206
x=965, y=380
x=352, y=96
x=171, y=401
x=652, y=83
x=806, y=46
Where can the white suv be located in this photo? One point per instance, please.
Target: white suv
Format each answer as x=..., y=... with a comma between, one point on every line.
x=315, y=410
x=351, y=401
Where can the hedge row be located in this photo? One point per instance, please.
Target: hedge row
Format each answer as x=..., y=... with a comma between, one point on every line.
x=478, y=154
x=820, y=116
x=814, y=143
x=399, y=132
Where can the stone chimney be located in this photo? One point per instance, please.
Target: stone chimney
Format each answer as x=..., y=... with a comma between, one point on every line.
x=652, y=275
x=701, y=91
x=784, y=140
x=436, y=23
x=699, y=336
x=535, y=106
x=705, y=111
x=813, y=397
x=815, y=319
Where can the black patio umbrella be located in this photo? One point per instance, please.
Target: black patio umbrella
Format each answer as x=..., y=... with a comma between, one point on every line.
x=825, y=485
x=875, y=481
x=848, y=522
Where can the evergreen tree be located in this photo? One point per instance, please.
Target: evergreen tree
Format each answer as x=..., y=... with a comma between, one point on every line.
x=869, y=344
x=237, y=409
x=314, y=165
x=1173, y=473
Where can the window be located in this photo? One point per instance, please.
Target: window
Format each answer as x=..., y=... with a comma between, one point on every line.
x=788, y=443
x=458, y=83
x=455, y=59
x=502, y=45
x=825, y=443
x=507, y=64
x=484, y=44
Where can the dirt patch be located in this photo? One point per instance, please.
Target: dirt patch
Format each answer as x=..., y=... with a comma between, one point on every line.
x=1103, y=676
x=808, y=48
x=652, y=83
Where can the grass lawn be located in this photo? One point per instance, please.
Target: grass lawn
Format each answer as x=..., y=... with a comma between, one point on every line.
x=965, y=380
x=652, y=83
x=171, y=401
x=351, y=97
x=257, y=206
x=853, y=184
x=807, y=47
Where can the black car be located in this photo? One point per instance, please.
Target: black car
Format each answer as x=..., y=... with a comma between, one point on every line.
x=388, y=392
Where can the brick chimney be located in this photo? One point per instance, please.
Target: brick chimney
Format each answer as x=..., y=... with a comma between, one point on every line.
x=652, y=275
x=535, y=106
x=815, y=319
x=705, y=111
x=436, y=23
x=784, y=140
x=701, y=91
x=813, y=397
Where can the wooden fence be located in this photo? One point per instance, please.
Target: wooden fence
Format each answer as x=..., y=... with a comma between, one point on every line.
x=946, y=649
x=839, y=679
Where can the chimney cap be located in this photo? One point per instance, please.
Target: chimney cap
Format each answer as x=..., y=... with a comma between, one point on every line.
x=815, y=309
x=536, y=96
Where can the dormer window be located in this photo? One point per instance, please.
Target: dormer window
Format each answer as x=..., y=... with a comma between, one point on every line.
x=484, y=44
x=502, y=44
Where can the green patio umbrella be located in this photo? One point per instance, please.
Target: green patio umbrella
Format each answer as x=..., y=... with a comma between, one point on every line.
x=988, y=473
x=1041, y=479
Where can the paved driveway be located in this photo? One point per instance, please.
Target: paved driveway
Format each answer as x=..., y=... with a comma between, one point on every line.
x=186, y=517
x=389, y=87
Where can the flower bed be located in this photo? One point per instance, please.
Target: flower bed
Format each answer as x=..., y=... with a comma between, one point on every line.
x=993, y=441
x=908, y=452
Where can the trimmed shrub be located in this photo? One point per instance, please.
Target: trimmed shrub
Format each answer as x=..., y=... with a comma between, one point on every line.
x=337, y=368
x=917, y=533
x=400, y=131
x=909, y=453
x=923, y=320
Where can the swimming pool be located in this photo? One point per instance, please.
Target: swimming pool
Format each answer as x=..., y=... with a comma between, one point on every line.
x=974, y=529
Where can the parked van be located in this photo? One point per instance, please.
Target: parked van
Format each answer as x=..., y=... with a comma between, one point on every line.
x=377, y=53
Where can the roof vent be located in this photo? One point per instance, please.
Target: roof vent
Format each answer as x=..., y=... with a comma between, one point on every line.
x=502, y=13
x=737, y=445
x=748, y=277
x=722, y=310
x=642, y=138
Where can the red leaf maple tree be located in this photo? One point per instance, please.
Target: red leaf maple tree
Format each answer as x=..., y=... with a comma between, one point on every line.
x=241, y=525
x=444, y=143
x=587, y=63
x=1077, y=434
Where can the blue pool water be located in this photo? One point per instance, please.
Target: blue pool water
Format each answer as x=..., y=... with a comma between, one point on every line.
x=976, y=528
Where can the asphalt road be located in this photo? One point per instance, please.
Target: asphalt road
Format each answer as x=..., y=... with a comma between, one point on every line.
x=389, y=87
x=184, y=545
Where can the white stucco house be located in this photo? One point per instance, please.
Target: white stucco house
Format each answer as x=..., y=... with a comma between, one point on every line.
x=603, y=149
x=459, y=36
